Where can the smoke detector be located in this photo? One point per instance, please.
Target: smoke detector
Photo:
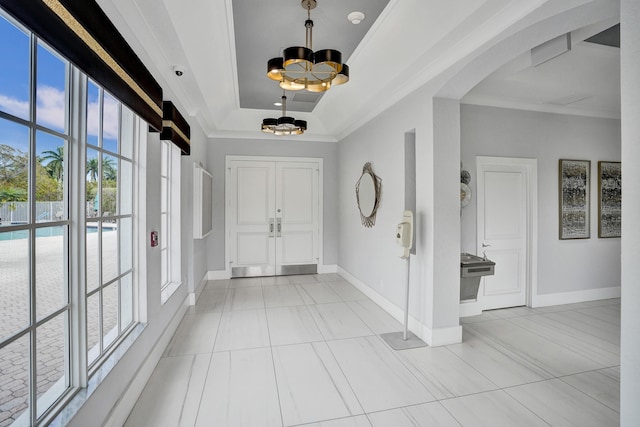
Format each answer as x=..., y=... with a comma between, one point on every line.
x=355, y=17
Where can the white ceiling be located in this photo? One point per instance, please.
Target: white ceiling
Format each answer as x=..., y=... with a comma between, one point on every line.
x=258, y=39
x=585, y=81
x=411, y=42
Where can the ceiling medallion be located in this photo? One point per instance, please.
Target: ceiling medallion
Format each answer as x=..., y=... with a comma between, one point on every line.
x=302, y=68
x=284, y=125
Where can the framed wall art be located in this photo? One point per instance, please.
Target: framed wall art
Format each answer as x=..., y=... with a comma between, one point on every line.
x=609, y=199
x=574, y=192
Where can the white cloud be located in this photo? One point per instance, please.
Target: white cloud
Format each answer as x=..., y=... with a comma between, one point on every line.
x=51, y=109
x=14, y=106
x=50, y=106
x=110, y=119
x=93, y=118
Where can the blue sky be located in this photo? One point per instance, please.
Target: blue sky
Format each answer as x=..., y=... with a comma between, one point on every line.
x=50, y=95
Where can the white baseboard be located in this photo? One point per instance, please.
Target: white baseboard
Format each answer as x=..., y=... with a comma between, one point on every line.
x=475, y=309
x=546, y=300
x=193, y=296
x=471, y=308
x=442, y=336
x=127, y=401
x=329, y=268
x=218, y=275
x=433, y=337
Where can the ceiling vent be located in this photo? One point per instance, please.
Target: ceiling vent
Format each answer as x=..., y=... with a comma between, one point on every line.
x=551, y=49
x=305, y=97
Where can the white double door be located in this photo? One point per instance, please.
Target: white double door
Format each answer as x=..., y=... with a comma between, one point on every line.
x=273, y=216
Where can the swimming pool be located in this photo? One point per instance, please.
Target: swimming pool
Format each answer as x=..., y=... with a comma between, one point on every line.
x=45, y=232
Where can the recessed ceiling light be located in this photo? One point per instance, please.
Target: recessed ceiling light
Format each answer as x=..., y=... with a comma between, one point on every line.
x=355, y=17
x=278, y=104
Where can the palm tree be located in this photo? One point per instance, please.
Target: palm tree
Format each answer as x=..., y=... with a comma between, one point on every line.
x=109, y=171
x=55, y=166
x=93, y=169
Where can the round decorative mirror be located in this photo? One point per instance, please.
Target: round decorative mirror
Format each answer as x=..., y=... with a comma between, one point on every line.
x=368, y=192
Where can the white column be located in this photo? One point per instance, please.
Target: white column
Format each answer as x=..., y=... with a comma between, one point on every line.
x=630, y=103
x=446, y=221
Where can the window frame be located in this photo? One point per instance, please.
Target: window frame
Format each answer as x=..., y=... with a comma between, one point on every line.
x=59, y=390
x=169, y=238
x=104, y=351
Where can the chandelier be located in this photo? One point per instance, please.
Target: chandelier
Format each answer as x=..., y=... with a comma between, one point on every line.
x=302, y=68
x=284, y=125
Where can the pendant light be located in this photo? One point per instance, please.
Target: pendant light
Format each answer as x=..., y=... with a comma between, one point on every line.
x=302, y=68
x=284, y=125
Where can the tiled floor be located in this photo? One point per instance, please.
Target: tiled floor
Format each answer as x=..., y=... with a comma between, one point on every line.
x=305, y=350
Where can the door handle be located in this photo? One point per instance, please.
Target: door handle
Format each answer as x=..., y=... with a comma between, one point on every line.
x=485, y=246
x=271, y=227
x=279, y=232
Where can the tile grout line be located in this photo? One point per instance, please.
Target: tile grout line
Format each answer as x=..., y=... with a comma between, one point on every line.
x=184, y=401
x=404, y=364
x=208, y=365
x=326, y=343
x=561, y=313
x=526, y=407
x=215, y=341
x=559, y=343
x=510, y=353
x=273, y=366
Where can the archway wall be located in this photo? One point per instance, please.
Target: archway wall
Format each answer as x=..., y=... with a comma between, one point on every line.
x=369, y=257
x=593, y=16
x=582, y=21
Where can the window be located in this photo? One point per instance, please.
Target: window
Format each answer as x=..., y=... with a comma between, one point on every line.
x=35, y=311
x=109, y=224
x=46, y=281
x=169, y=219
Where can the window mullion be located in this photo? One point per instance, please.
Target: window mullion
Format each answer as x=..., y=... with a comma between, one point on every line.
x=78, y=250
x=168, y=207
x=33, y=392
x=100, y=222
x=119, y=221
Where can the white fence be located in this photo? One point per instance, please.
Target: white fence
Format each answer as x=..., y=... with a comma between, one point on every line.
x=18, y=211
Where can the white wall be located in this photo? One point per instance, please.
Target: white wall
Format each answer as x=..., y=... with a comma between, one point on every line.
x=370, y=255
x=218, y=149
x=630, y=330
x=563, y=265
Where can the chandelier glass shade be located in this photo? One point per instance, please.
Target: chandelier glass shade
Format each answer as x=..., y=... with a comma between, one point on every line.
x=301, y=68
x=284, y=125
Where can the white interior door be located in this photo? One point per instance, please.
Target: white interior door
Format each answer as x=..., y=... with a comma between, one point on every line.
x=504, y=196
x=273, y=217
x=296, y=215
x=252, y=211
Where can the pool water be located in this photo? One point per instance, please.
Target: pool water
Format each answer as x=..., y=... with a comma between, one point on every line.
x=43, y=232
